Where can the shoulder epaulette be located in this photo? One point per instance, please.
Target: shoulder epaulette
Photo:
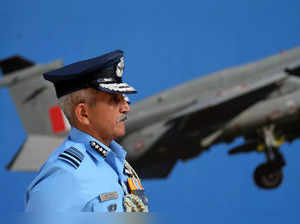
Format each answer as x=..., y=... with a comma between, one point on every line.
x=103, y=152
x=73, y=156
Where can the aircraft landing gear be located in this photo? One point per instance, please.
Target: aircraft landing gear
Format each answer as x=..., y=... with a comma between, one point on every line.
x=269, y=175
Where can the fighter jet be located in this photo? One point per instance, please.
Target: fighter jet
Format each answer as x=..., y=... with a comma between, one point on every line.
x=259, y=101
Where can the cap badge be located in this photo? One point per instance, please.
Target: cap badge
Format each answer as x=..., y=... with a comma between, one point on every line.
x=120, y=68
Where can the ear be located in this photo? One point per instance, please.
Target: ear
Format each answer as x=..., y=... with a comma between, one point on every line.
x=81, y=114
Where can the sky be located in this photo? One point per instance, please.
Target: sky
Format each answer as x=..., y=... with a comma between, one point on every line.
x=166, y=43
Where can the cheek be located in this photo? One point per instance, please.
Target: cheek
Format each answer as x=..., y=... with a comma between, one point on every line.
x=101, y=120
x=105, y=116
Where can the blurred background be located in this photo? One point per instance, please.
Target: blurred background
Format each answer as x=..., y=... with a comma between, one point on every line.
x=166, y=43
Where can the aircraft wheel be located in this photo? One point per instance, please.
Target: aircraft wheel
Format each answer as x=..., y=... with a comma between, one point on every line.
x=268, y=176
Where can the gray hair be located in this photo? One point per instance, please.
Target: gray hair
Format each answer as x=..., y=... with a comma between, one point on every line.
x=69, y=102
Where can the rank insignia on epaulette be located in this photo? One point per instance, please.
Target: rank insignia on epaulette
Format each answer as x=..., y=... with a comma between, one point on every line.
x=72, y=156
x=99, y=148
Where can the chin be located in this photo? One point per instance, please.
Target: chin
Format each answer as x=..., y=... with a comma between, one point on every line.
x=121, y=133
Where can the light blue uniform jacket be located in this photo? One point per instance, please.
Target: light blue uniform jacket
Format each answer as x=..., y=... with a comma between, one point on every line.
x=75, y=175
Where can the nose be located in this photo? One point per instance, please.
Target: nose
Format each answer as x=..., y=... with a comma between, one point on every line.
x=125, y=108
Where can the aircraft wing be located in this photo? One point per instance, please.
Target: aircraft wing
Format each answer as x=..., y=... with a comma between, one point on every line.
x=231, y=93
x=188, y=132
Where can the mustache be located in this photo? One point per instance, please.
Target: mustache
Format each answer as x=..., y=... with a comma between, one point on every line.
x=122, y=118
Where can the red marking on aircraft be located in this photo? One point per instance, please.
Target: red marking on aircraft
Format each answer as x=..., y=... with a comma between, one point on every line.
x=237, y=127
x=57, y=119
x=273, y=115
x=138, y=146
x=244, y=85
x=292, y=108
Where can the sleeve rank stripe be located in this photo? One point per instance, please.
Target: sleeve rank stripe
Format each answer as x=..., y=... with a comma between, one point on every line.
x=77, y=152
x=70, y=160
x=73, y=155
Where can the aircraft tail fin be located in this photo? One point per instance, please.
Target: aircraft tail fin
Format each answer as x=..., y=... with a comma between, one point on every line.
x=34, y=97
x=14, y=63
x=37, y=106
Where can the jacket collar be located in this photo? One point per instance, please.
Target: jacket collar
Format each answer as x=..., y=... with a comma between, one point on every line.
x=77, y=135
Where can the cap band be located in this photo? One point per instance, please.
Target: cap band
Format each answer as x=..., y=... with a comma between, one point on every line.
x=118, y=87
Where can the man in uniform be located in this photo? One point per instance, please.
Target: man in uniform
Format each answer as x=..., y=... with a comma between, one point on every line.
x=88, y=171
